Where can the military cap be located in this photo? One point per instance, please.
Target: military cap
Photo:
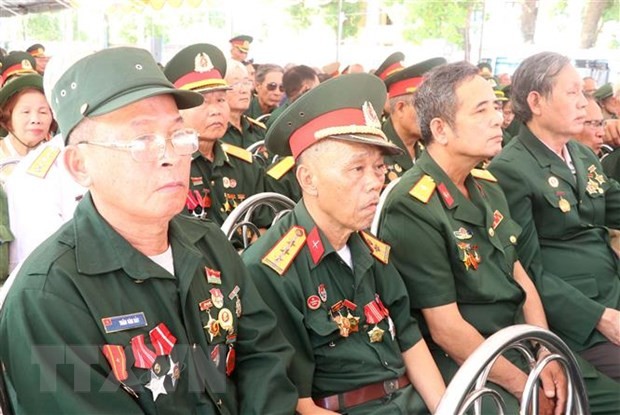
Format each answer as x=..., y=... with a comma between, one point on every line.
x=242, y=42
x=342, y=108
x=37, y=50
x=199, y=67
x=603, y=92
x=390, y=65
x=500, y=95
x=108, y=80
x=16, y=63
x=407, y=80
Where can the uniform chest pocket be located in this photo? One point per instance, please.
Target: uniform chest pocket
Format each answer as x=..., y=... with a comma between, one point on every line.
x=563, y=201
x=552, y=216
x=321, y=329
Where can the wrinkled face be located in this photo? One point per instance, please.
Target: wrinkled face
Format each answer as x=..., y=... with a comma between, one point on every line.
x=210, y=119
x=593, y=132
x=123, y=187
x=270, y=91
x=349, y=178
x=508, y=114
x=241, y=93
x=477, y=125
x=31, y=118
x=563, y=112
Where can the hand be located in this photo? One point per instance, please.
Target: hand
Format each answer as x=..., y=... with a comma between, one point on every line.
x=612, y=132
x=554, y=385
x=609, y=325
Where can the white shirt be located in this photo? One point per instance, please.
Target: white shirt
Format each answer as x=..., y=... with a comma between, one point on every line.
x=39, y=206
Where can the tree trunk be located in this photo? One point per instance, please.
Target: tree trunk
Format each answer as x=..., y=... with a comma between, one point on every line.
x=529, y=11
x=591, y=27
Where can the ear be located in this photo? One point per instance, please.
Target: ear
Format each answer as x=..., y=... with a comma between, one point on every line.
x=440, y=130
x=75, y=163
x=534, y=100
x=306, y=180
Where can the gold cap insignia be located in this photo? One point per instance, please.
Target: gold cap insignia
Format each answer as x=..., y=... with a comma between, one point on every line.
x=370, y=115
x=202, y=63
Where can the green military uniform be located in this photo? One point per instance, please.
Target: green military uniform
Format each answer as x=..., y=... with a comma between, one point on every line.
x=565, y=243
x=314, y=282
x=611, y=164
x=86, y=292
x=252, y=131
x=6, y=236
x=506, y=137
x=281, y=178
x=399, y=164
x=254, y=111
x=276, y=113
x=218, y=186
x=452, y=249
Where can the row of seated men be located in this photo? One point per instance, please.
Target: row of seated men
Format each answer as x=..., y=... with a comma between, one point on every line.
x=130, y=307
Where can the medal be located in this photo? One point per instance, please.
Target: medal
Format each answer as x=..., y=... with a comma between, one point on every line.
x=354, y=322
x=462, y=234
x=226, y=182
x=213, y=276
x=553, y=181
x=343, y=324
x=215, y=355
x=233, y=183
x=398, y=168
x=174, y=372
x=212, y=327
x=376, y=334
x=469, y=255
x=156, y=385
x=392, y=176
x=235, y=294
x=564, y=205
x=313, y=302
x=225, y=319
x=217, y=297
x=231, y=359
x=322, y=292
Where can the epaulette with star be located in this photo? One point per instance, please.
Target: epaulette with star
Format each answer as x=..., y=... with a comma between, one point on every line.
x=238, y=152
x=281, y=167
x=256, y=122
x=42, y=164
x=281, y=256
x=423, y=189
x=484, y=175
x=378, y=249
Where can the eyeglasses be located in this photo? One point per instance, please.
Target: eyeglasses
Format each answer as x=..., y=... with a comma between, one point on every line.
x=271, y=86
x=594, y=123
x=241, y=84
x=152, y=147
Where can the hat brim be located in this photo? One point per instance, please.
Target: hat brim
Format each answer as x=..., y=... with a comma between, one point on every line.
x=385, y=146
x=31, y=80
x=213, y=88
x=184, y=99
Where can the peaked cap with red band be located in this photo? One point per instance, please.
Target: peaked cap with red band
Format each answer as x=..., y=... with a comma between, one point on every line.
x=242, y=42
x=199, y=67
x=390, y=65
x=37, y=50
x=342, y=108
x=407, y=80
x=16, y=63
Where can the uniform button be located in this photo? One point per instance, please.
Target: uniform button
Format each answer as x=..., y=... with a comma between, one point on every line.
x=513, y=239
x=139, y=281
x=491, y=232
x=194, y=346
x=219, y=402
x=332, y=344
x=385, y=364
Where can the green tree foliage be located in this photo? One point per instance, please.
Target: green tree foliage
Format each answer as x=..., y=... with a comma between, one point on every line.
x=43, y=27
x=354, y=13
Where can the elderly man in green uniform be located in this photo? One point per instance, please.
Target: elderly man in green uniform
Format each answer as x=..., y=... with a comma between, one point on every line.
x=558, y=193
x=401, y=126
x=453, y=240
x=269, y=91
x=239, y=47
x=337, y=298
x=242, y=130
x=222, y=175
x=130, y=308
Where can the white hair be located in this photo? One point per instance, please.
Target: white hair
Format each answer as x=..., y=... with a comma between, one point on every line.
x=232, y=65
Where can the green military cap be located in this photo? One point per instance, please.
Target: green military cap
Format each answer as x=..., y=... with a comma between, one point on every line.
x=408, y=79
x=199, y=67
x=242, y=42
x=37, y=50
x=604, y=92
x=390, y=65
x=17, y=73
x=342, y=108
x=108, y=80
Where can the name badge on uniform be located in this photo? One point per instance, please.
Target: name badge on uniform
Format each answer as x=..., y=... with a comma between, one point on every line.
x=124, y=322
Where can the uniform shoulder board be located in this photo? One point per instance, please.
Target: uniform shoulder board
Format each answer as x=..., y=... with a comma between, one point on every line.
x=42, y=164
x=280, y=257
x=378, y=249
x=484, y=175
x=423, y=189
x=256, y=122
x=281, y=167
x=237, y=152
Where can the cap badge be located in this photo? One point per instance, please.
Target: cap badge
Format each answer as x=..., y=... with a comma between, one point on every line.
x=202, y=63
x=26, y=64
x=370, y=116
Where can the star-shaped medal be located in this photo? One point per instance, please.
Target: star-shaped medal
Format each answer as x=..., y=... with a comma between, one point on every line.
x=174, y=372
x=156, y=385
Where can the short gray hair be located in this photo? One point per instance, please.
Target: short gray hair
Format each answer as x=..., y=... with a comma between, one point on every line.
x=264, y=69
x=436, y=97
x=536, y=73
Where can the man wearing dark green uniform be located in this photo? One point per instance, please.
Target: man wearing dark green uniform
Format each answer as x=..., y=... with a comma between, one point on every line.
x=222, y=175
x=269, y=91
x=338, y=299
x=130, y=308
x=401, y=126
x=558, y=193
x=453, y=239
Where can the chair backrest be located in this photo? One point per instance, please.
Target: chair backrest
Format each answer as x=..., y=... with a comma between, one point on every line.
x=467, y=387
x=241, y=217
x=374, y=227
x=606, y=149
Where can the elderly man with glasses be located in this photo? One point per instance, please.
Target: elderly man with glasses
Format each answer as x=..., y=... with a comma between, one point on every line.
x=130, y=308
x=269, y=91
